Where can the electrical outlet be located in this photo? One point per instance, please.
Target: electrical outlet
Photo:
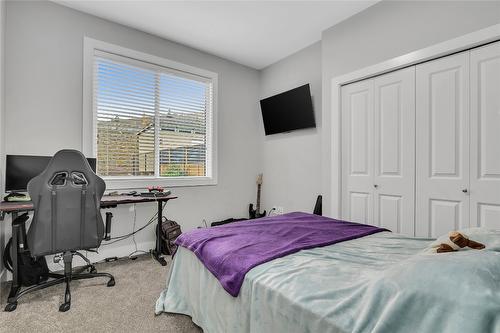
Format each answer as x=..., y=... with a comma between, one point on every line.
x=277, y=210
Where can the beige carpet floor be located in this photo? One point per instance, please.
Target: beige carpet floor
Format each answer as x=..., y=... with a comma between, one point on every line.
x=126, y=307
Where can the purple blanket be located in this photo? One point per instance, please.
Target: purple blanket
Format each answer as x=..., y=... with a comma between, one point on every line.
x=230, y=251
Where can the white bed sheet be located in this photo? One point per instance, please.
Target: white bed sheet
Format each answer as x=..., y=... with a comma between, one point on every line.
x=277, y=296
x=379, y=283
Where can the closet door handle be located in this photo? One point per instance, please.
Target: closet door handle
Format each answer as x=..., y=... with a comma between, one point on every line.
x=465, y=190
x=375, y=185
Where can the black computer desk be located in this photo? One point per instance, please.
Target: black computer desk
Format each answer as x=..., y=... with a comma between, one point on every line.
x=107, y=201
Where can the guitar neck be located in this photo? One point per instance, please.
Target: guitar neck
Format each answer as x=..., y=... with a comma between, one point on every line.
x=258, y=199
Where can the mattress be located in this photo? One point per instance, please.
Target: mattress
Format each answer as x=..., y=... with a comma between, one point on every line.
x=379, y=283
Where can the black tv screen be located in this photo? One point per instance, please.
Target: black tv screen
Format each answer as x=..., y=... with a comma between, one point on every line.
x=288, y=111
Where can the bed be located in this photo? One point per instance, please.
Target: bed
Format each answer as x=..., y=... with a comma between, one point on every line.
x=381, y=282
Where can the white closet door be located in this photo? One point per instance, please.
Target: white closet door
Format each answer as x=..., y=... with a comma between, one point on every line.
x=357, y=152
x=394, y=151
x=442, y=107
x=485, y=137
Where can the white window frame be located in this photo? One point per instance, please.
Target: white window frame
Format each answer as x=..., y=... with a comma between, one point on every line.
x=89, y=140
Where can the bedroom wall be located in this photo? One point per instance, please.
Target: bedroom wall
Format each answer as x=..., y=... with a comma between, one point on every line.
x=44, y=51
x=292, y=173
x=3, y=225
x=387, y=30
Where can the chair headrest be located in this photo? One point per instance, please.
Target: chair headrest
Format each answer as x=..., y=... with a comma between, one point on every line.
x=66, y=165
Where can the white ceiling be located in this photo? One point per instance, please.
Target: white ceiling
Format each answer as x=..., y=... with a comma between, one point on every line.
x=252, y=33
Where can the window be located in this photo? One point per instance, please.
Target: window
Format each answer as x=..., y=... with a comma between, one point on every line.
x=151, y=122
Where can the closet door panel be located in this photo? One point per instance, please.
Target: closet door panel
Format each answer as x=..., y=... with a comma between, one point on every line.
x=389, y=212
x=485, y=137
x=357, y=152
x=444, y=216
x=442, y=145
x=360, y=206
x=394, y=150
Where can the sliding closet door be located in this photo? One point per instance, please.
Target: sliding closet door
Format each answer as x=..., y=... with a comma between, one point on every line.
x=485, y=137
x=394, y=151
x=442, y=107
x=357, y=152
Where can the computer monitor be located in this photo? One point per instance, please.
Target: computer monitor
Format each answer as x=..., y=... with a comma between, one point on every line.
x=19, y=169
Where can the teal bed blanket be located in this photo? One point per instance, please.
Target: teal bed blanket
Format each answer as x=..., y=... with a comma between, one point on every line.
x=378, y=283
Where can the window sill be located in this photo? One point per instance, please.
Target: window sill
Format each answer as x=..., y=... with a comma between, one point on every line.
x=121, y=183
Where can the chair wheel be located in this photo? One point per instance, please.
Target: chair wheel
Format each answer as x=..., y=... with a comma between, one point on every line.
x=10, y=307
x=64, y=307
x=111, y=283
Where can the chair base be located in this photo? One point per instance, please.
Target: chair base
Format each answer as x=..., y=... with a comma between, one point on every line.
x=16, y=293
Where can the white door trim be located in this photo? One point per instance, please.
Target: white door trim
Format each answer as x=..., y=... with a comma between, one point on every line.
x=448, y=47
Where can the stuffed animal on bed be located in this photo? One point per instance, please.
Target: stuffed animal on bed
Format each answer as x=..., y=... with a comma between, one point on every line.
x=457, y=241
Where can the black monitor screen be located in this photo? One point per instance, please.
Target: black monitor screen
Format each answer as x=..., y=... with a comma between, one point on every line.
x=19, y=169
x=288, y=111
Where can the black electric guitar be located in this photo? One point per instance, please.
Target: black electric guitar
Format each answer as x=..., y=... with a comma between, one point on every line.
x=255, y=213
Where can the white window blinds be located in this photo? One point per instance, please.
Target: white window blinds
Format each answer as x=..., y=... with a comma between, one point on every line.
x=151, y=121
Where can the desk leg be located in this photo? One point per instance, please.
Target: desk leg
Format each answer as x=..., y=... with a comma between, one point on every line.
x=157, y=251
x=16, y=285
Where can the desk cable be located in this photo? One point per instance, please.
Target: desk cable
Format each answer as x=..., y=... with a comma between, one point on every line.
x=123, y=237
x=136, y=251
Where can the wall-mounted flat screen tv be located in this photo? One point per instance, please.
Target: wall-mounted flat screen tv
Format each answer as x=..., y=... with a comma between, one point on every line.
x=288, y=111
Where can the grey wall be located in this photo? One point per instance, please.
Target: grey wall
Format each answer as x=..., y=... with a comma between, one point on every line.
x=44, y=51
x=387, y=30
x=3, y=226
x=292, y=172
